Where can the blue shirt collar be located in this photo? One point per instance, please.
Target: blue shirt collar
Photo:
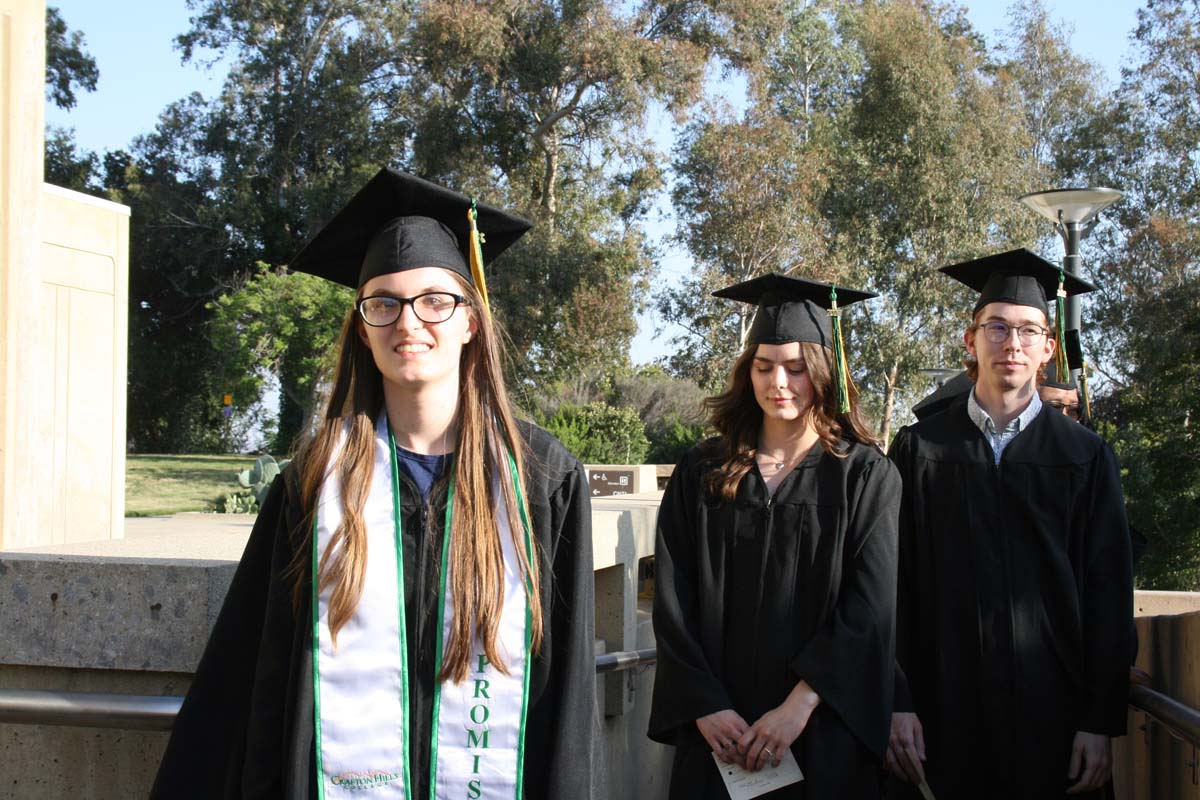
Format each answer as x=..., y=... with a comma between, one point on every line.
x=986, y=424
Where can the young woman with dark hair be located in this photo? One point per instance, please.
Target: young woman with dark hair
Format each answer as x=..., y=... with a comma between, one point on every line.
x=413, y=614
x=776, y=567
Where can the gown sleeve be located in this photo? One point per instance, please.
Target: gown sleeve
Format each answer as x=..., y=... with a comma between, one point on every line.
x=860, y=630
x=561, y=756
x=899, y=454
x=685, y=686
x=1107, y=595
x=206, y=756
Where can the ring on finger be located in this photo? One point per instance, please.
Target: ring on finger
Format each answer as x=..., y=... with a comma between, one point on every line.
x=767, y=750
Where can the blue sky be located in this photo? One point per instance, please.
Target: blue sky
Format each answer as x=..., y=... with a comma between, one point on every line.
x=140, y=73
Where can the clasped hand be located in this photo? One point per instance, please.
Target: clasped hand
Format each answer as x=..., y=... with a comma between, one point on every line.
x=754, y=746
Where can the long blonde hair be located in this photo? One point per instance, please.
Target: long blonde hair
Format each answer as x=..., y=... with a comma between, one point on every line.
x=737, y=417
x=487, y=434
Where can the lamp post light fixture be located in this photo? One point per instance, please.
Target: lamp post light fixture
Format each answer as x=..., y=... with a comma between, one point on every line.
x=1074, y=213
x=940, y=374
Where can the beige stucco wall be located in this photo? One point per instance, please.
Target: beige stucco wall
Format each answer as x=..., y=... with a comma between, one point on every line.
x=82, y=311
x=22, y=117
x=64, y=267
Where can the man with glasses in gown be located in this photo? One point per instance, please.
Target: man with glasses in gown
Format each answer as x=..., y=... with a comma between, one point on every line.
x=1015, y=585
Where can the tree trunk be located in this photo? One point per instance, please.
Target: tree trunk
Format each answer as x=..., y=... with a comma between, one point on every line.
x=889, y=406
x=549, y=201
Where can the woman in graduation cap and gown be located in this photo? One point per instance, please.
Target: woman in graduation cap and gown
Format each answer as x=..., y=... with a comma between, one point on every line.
x=413, y=613
x=776, y=567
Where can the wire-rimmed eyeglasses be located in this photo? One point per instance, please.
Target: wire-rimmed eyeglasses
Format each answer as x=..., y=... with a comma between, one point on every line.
x=1070, y=409
x=999, y=332
x=430, y=307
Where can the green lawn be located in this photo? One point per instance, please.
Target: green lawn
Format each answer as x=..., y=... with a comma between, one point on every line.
x=170, y=484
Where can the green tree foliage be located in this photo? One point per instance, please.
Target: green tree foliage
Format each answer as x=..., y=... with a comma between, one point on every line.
x=281, y=324
x=69, y=66
x=535, y=106
x=1052, y=85
x=1156, y=438
x=750, y=190
x=552, y=99
x=879, y=146
x=926, y=176
x=598, y=433
x=305, y=116
x=1147, y=261
x=670, y=438
x=68, y=166
x=747, y=206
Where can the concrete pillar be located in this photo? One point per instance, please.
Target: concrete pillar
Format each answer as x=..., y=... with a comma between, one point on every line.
x=22, y=120
x=64, y=269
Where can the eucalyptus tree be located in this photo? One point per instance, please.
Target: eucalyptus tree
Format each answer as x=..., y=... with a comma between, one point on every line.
x=751, y=185
x=927, y=166
x=1147, y=261
x=546, y=103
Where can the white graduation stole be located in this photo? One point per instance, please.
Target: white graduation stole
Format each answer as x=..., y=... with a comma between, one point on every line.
x=361, y=689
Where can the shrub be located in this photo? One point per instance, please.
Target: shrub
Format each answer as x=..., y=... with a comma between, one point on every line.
x=598, y=433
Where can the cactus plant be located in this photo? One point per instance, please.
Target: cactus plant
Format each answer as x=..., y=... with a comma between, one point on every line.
x=258, y=478
x=237, y=503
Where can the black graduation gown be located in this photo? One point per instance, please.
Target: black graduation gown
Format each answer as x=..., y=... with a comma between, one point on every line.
x=246, y=726
x=1015, y=599
x=753, y=596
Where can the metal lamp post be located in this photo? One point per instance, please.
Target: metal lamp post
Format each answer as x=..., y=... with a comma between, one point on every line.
x=1074, y=213
x=939, y=374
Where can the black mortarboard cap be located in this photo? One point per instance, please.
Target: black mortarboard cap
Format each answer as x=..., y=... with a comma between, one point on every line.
x=398, y=222
x=1055, y=381
x=944, y=395
x=791, y=309
x=1019, y=276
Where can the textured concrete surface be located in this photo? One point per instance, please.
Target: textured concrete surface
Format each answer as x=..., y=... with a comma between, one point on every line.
x=41, y=761
x=144, y=602
x=131, y=616
x=1155, y=604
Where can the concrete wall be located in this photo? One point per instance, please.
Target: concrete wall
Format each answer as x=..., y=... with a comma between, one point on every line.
x=131, y=616
x=64, y=267
x=83, y=314
x=1148, y=763
x=22, y=118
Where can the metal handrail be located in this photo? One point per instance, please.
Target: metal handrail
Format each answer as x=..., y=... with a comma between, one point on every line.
x=136, y=712
x=157, y=712
x=1180, y=720
x=625, y=659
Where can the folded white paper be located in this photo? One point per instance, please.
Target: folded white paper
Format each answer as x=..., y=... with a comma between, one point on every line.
x=743, y=785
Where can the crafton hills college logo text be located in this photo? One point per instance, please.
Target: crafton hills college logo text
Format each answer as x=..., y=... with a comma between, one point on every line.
x=363, y=780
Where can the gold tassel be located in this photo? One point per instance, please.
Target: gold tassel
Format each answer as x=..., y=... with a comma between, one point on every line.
x=476, y=250
x=839, y=354
x=1085, y=396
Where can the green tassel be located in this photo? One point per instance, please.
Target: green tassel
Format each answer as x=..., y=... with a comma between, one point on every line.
x=839, y=354
x=1060, y=326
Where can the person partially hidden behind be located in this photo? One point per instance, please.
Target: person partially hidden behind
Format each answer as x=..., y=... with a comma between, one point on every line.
x=1015, y=586
x=1060, y=393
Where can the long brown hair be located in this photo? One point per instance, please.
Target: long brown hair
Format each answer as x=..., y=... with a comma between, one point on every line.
x=487, y=434
x=737, y=417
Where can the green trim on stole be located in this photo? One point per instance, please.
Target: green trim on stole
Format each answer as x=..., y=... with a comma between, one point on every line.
x=437, y=690
x=316, y=631
x=403, y=625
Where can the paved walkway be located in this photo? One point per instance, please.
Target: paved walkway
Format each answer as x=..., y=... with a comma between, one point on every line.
x=190, y=537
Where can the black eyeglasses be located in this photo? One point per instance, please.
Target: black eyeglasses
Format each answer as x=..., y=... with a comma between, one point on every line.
x=999, y=332
x=381, y=310
x=1070, y=409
